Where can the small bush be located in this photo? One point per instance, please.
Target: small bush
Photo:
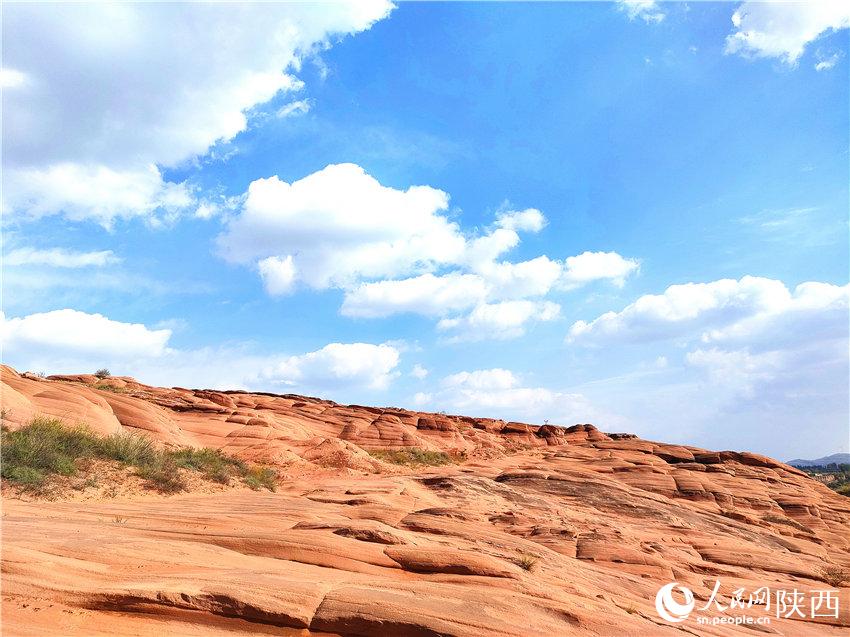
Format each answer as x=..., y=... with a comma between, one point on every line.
x=163, y=475
x=129, y=448
x=26, y=477
x=412, y=457
x=44, y=446
x=211, y=462
x=112, y=388
x=258, y=478
x=526, y=561
x=836, y=576
x=102, y=373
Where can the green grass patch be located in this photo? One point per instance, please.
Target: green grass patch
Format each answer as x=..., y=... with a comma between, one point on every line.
x=45, y=448
x=212, y=463
x=163, y=475
x=261, y=478
x=412, y=457
x=128, y=448
x=112, y=388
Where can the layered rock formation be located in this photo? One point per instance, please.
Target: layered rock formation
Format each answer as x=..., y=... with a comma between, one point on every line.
x=538, y=531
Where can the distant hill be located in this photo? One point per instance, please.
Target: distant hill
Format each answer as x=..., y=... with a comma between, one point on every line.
x=836, y=458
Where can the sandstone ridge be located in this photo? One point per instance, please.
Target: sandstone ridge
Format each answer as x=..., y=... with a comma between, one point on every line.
x=533, y=530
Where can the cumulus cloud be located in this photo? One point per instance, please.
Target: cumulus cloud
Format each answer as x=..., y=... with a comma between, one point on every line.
x=756, y=346
x=64, y=332
x=278, y=274
x=92, y=192
x=784, y=29
x=336, y=364
x=715, y=311
x=58, y=258
x=340, y=225
x=103, y=96
x=426, y=294
x=529, y=220
x=397, y=251
x=646, y=10
x=70, y=341
x=419, y=372
x=737, y=368
x=500, y=321
x=595, y=266
x=825, y=62
x=501, y=393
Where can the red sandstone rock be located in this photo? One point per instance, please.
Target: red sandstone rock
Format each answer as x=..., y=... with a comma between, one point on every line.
x=523, y=538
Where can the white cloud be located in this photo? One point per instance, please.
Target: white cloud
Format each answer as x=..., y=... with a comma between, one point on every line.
x=338, y=363
x=760, y=346
x=748, y=360
x=687, y=309
x=432, y=295
x=784, y=29
x=826, y=62
x=500, y=393
x=92, y=192
x=117, y=91
x=422, y=398
x=594, y=266
x=10, y=78
x=535, y=277
x=298, y=107
x=494, y=389
x=278, y=275
x=340, y=225
x=490, y=379
x=419, y=372
x=70, y=341
x=529, y=220
x=340, y=228
x=646, y=10
x=480, y=252
x=69, y=332
x=426, y=294
x=737, y=368
x=59, y=258
x=504, y=320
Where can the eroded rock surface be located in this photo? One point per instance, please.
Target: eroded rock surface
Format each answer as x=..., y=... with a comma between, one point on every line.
x=540, y=531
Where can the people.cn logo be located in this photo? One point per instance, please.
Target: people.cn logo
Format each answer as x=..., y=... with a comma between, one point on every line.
x=668, y=608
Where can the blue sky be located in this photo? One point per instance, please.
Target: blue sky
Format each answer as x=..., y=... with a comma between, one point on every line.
x=633, y=214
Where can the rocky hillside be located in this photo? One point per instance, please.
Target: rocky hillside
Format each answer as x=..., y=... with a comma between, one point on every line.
x=531, y=530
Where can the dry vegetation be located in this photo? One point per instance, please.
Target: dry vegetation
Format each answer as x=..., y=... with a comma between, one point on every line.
x=413, y=457
x=44, y=449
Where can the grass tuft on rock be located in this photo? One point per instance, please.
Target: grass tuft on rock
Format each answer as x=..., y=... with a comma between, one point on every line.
x=163, y=475
x=215, y=465
x=261, y=478
x=412, y=457
x=525, y=561
x=112, y=388
x=45, y=448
